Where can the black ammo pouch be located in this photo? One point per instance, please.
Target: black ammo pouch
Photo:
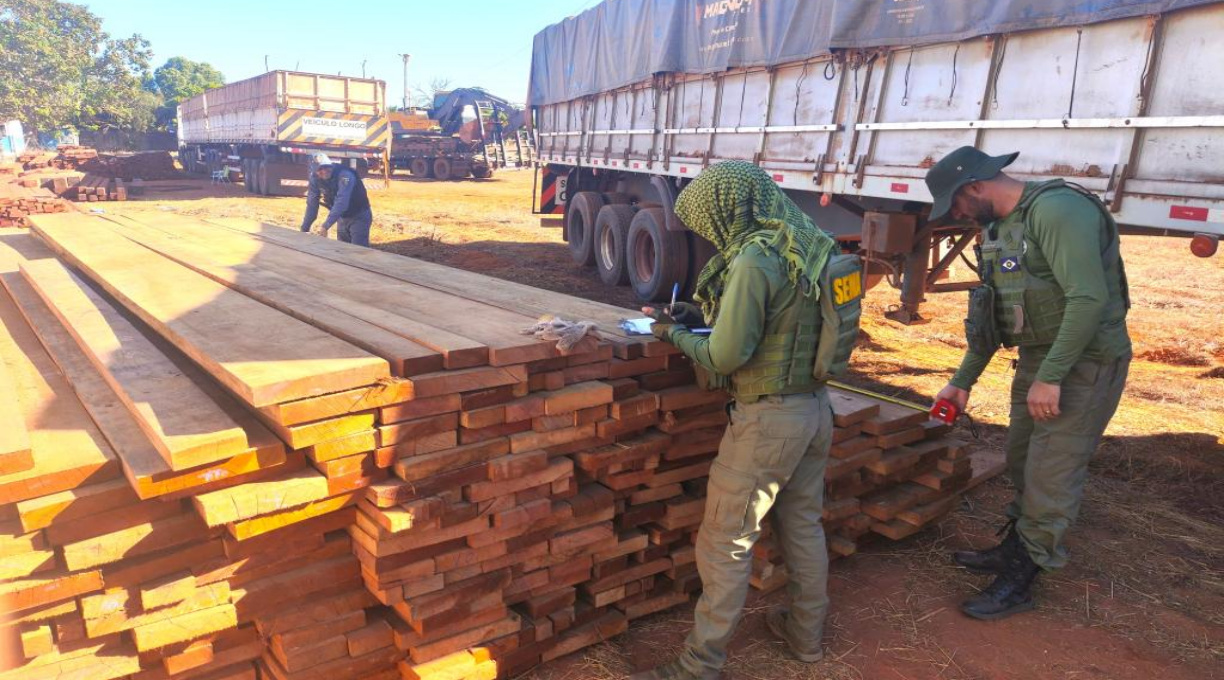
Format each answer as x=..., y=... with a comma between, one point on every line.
x=981, y=334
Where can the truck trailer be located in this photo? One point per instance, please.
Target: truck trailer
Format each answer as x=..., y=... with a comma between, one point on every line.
x=847, y=103
x=267, y=127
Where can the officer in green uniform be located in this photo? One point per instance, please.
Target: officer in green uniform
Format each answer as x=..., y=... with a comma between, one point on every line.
x=777, y=331
x=1054, y=286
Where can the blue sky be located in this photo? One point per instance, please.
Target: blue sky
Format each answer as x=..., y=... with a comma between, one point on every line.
x=474, y=43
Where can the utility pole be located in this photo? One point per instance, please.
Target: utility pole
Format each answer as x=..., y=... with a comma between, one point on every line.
x=406, y=57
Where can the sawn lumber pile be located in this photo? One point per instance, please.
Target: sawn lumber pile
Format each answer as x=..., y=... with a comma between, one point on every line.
x=242, y=452
x=94, y=188
x=18, y=202
x=63, y=158
x=148, y=165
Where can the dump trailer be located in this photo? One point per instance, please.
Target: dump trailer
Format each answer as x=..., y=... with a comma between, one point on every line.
x=267, y=127
x=847, y=103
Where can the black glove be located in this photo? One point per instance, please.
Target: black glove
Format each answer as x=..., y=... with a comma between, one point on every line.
x=663, y=324
x=686, y=314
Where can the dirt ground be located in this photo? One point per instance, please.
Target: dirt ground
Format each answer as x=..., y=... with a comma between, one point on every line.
x=1144, y=594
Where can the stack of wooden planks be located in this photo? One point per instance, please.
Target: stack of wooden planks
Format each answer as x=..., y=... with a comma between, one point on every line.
x=17, y=202
x=246, y=452
x=891, y=472
x=94, y=188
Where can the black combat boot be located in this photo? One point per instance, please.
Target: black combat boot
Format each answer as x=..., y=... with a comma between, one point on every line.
x=992, y=560
x=1011, y=591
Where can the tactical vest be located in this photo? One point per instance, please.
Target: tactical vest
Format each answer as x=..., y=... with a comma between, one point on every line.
x=358, y=200
x=1028, y=310
x=823, y=330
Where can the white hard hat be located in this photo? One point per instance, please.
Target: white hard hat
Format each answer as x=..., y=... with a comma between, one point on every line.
x=320, y=159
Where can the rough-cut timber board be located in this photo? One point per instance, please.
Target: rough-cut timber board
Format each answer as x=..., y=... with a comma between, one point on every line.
x=260, y=354
x=496, y=328
x=186, y=427
x=145, y=469
x=507, y=295
x=850, y=408
x=68, y=449
x=242, y=267
x=382, y=395
x=74, y=504
x=260, y=498
x=34, y=592
x=186, y=627
x=16, y=454
x=259, y=526
x=132, y=542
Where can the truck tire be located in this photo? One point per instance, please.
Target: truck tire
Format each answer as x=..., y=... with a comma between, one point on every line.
x=419, y=167
x=657, y=258
x=442, y=168
x=482, y=172
x=611, y=235
x=261, y=173
x=580, y=226
x=248, y=175
x=617, y=198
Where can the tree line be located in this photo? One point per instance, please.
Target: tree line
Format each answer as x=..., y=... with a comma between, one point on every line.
x=59, y=68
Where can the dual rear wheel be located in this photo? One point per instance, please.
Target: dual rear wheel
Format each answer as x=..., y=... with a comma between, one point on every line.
x=631, y=245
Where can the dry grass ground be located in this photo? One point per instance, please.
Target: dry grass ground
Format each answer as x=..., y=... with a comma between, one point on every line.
x=1144, y=594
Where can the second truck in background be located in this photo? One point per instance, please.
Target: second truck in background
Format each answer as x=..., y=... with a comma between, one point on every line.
x=268, y=127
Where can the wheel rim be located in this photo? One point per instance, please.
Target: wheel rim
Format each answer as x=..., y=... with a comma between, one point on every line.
x=644, y=256
x=607, y=249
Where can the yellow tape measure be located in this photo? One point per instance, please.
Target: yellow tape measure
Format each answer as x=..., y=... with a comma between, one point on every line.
x=874, y=395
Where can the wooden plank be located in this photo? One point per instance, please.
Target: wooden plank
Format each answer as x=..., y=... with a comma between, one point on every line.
x=183, y=628
x=68, y=449
x=73, y=504
x=249, y=266
x=850, y=408
x=260, y=526
x=261, y=497
x=507, y=295
x=186, y=427
x=220, y=329
x=138, y=540
x=146, y=470
x=466, y=380
x=34, y=592
x=325, y=311
x=382, y=395
x=16, y=454
x=496, y=328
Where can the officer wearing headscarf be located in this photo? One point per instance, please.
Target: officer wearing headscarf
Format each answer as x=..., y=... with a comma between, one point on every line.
x=775, y=326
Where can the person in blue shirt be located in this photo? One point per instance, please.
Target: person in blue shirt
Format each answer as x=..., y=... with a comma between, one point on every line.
x=343, y=193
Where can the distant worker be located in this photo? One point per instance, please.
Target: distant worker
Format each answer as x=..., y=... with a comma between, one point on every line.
x=1053, y=284
x=780, y=329
x=344, y=194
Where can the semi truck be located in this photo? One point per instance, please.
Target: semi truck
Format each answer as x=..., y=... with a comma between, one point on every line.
x=847, y=103
x=266, y=128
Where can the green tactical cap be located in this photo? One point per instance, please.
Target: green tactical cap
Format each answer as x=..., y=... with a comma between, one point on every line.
x=964, y=166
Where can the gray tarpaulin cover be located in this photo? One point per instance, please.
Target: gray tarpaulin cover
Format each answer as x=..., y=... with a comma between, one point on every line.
x=620, y=42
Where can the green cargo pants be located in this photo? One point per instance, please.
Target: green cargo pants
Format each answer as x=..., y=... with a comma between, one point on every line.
x=1048, y=461
x=772, y=455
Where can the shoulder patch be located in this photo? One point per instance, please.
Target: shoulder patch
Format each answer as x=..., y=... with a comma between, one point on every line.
x=1010, y=264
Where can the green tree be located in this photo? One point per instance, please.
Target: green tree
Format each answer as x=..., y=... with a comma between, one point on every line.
x=60, y=68
x=181, y=78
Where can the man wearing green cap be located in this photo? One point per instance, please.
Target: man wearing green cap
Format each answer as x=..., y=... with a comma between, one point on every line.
x=1054, y=286
x=777, y=327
